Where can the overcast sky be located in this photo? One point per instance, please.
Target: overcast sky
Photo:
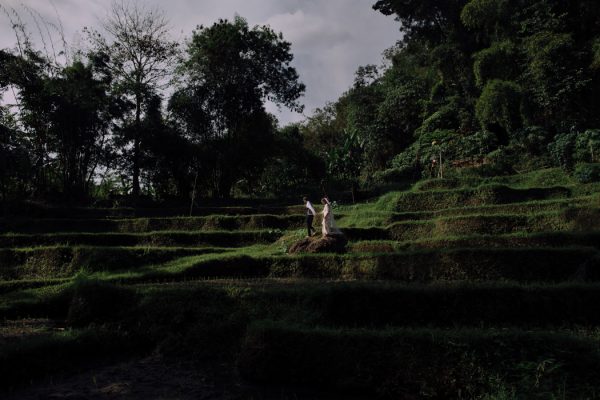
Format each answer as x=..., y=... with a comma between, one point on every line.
x=330, y=38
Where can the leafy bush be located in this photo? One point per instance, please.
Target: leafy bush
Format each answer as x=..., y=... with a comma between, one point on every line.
x=483, y=14
x=396, y=175
x=562, y=149
x=406, y=159
x=587, y=146
x=587, y=173
x=570, y=148
x=499, y=104
x=496, y=62
x=426, y=148
x=293, y=168
x=476, y=145
x=531, y=140
x=444, y=118
x=423, y=149
x=452, y=145
x=500, y=162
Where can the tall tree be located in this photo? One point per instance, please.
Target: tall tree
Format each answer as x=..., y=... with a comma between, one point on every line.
x=230, y=71
x=80, y=118
x=432, y=20
x=15, y=162
x=28, y=71
x=141, y=56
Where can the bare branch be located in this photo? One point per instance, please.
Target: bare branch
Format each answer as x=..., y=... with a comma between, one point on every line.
x=39, y=28
x=46, y=25
x=62, y=32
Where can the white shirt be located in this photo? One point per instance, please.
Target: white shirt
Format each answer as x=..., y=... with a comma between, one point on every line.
x=310, y=207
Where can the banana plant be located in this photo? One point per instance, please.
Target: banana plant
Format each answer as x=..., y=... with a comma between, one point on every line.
x=345, y=162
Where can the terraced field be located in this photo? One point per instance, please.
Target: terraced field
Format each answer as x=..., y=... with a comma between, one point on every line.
x=453, y=289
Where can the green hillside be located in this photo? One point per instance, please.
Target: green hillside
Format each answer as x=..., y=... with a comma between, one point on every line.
x=450, y=289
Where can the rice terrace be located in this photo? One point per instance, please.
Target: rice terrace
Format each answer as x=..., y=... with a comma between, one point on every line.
x=179, y=221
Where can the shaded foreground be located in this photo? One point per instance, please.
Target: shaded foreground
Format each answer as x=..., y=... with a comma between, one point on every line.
x=460, y=291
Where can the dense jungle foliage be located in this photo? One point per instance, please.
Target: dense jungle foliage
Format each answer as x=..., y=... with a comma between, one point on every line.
x=491, y=87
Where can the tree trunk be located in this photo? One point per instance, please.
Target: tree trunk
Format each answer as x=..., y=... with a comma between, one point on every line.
x=193, y=195
x=135, y=191
x=40, y=173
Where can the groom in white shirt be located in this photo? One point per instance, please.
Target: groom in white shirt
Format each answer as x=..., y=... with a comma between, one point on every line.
x=310, y=215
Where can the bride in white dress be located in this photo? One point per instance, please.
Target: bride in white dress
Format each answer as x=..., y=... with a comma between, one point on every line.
x=329, y=227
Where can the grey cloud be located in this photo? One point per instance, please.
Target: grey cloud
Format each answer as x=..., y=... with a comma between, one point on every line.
x=330, y=38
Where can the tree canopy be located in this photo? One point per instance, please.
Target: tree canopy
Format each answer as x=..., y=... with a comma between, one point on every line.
x=228, y=74
x=496, y=86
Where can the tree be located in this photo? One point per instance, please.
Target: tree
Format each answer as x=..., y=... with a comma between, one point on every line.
x=81, y=111
x=323, y=130
x=167, y=154
x=433, y=64
x=292, y=168
x=498, y=108
x=15, y=163
x=63, y=119
x=141, y=56
x=507, y=66
x=544, y=46
x=432, y=20
x=28, y=71
x=230, y=71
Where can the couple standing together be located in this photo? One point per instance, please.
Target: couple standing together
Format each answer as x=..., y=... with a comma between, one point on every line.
x=328, y=223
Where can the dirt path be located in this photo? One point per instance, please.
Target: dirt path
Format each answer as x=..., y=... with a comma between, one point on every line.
x=153, y=378
x=149, y=378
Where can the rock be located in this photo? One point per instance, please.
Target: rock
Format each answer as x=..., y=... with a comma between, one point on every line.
x=325, y=244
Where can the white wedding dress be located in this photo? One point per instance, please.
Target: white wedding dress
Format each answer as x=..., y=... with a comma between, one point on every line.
x=329, y=227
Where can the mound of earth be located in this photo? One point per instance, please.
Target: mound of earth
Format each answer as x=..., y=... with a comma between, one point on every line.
x=324, y=244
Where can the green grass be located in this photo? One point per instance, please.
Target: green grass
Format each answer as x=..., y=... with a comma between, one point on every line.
x=526, y=264
x=339, y=304
x=22, y=284
x=455, y=288
x=482, y=195
x=431, y=265
x=515, y=240
x=567, y=220
x=36, y=210
x=64, y=261
x=541, y=178
x=47, y=301
x=163, y=238
x=364, y=215
x=141, y=225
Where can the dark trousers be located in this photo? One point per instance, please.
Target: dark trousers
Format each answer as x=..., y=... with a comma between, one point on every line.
x=309, y=222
